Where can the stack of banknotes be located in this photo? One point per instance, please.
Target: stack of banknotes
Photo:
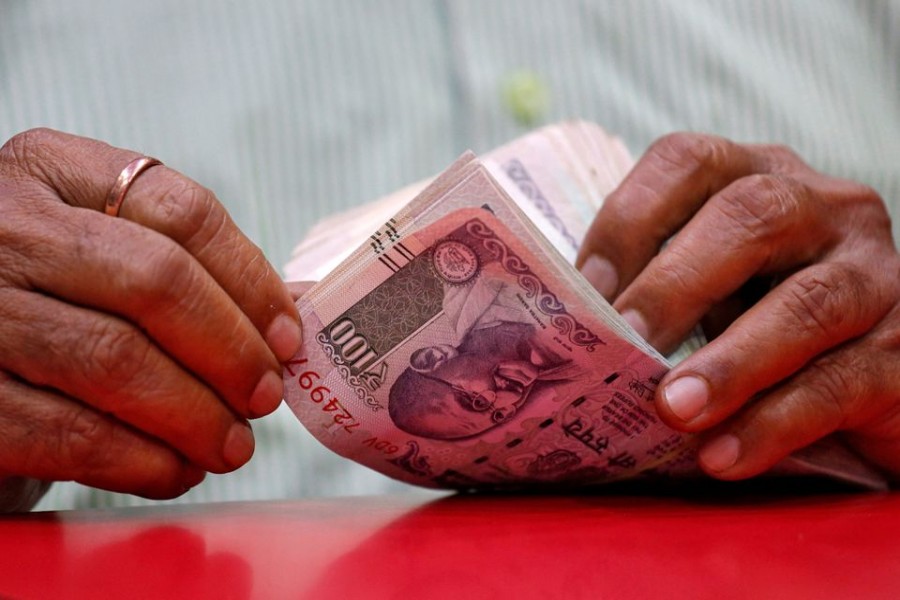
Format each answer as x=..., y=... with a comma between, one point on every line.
x=451, y=343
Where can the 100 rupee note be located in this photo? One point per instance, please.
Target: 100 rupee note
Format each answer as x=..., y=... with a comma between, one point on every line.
x=536, y=194
x=462, y=351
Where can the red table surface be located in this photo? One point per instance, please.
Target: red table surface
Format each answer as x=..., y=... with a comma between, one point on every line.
x=623, y=545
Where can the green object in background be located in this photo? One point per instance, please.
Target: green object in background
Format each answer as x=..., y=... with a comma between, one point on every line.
x=526, y=96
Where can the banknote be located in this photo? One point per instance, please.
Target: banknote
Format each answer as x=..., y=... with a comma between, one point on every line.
x=459, y=354
x=450, y=342
x=558, y=175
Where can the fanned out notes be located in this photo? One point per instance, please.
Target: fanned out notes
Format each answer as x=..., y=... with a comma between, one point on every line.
x=450, y=342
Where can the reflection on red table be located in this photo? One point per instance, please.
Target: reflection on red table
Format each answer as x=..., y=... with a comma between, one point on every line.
x=828, y=545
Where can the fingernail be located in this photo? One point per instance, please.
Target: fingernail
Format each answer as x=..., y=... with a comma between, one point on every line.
x=239, y=445
x=686, y=397
x=601, y=274
x=267, y=395
x=283, y=337
x=721, y=453
x=637, y=322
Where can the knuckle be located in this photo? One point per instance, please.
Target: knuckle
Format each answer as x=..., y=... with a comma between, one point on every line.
x=620, y=212
x=194, y=212
x=677, y=269
x=21, y=149
x=693, y=151
x=115, y=352
x=761, y=206
x=830, y=390
x=824, y=299
x=168, y=282
x=163, y=277
x=86, y=443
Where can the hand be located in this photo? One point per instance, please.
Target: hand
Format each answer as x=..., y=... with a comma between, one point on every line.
x=298, y=288
x=795, y=271
x=133, y=349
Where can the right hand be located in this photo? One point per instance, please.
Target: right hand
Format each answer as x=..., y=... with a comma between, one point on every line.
x=133, y=349
x=792, y=272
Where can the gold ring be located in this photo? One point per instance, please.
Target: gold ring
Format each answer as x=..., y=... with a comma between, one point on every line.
x=123, y=182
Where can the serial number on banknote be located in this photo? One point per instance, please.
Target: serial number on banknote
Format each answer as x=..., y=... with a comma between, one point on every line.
x=318, y=394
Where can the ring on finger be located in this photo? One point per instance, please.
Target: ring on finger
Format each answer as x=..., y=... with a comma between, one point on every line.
x=124, y=180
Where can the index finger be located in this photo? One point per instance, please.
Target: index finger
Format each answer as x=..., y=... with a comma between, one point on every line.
x=673, y=179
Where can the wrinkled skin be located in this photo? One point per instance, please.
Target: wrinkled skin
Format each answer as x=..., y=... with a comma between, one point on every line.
x=794, y=274
x=133, y=349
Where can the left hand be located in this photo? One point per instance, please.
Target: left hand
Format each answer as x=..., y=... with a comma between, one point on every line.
x=134, y=348
x=796, y=272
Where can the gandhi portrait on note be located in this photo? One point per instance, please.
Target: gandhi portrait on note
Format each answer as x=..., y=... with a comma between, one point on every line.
x=482, y=379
